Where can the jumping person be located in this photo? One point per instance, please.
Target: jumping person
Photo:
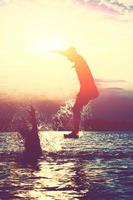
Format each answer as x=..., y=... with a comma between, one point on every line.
x=88, y=90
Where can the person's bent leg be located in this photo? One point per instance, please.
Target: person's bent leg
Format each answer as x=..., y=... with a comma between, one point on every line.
x=76, y=122
x=76, y=118
x=77, y=109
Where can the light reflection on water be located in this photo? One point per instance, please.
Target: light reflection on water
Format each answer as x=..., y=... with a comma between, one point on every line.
x=97, y=166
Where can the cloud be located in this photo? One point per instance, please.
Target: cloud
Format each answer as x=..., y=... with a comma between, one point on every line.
x=115, y=104
x=4, y=2
x=113, y=86
x=109, y=81
x=109, y=6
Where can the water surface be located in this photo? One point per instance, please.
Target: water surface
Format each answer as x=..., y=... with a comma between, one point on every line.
x=97, y=166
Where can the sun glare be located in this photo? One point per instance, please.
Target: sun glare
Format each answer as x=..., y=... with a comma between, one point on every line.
x=45, y=73
x=41, y=46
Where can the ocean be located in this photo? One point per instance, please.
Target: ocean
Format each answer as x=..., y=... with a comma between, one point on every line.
x=97, y=166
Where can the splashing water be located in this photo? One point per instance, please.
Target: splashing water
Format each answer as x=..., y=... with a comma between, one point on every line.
x=62, y=120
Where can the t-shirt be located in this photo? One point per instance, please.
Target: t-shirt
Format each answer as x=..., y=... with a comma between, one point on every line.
x=87, y=83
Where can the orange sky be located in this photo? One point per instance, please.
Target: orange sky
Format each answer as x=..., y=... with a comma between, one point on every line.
x=30, y=28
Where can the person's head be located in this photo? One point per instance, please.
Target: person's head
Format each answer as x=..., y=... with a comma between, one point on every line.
x=71, y=54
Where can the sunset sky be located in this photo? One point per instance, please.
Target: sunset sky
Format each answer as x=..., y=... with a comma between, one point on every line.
x=100, y=30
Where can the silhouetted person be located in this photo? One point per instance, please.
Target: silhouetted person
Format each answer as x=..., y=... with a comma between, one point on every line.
x=31, y=138
x=88, y=90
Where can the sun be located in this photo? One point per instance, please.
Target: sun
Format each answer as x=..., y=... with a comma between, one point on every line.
x=40, y=72
x=44, y=46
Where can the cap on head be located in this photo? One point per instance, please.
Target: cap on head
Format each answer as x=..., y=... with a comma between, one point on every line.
x=71, y=51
